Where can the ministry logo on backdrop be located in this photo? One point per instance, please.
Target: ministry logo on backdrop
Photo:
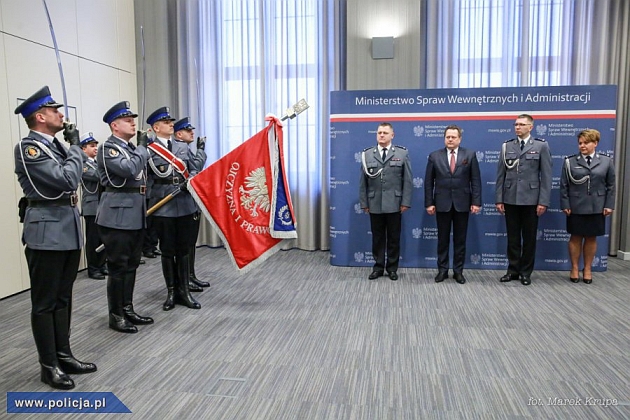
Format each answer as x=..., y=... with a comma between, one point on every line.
x=480, y=156
x=418, y=182
x=357, y=157
x=539, y=235
x=359, y=257
x=416, y=233
x=418, y=131
x=357, y=208
x=541, y=129
x=475, y=259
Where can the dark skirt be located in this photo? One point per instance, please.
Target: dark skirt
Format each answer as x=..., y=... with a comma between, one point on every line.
x=586, y=224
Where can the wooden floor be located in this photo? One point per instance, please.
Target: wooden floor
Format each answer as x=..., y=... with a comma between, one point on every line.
x=300, y=339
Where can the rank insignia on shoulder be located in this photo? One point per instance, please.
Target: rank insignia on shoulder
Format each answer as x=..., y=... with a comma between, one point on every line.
x=32, y=152
x=113, y=152
x=400, y=147
x=367, y=148
x=539, y=139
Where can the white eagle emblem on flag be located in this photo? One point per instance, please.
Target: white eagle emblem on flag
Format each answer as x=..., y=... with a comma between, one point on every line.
x=256, y=197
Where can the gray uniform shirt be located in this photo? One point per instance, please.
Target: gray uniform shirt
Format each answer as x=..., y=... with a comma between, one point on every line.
x=121, y=168
x=392, y=188
x=182, y=204
x=89, y=187
x=524, y=176
x=592, y=195
x=42, y=170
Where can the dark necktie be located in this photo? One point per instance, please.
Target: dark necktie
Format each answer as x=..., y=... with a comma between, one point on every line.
x=384, y=154
x=169, y=144
x=522, y=144
x=131, y=146
x=452, y=161
x=588, y=160
x=60, y=147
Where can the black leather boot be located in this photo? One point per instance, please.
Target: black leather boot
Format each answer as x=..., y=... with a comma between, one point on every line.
x=193, y=287
x=44, y=334
x=168, y=270
x=67, y=362
x=193, y=277
x=182, y=293
x=131, y=315
x=117, y=320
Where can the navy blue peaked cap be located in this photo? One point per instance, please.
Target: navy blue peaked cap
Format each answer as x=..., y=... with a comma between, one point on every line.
x=120, y=110
x=160, y=114
x=184, y=124
x=39, y=99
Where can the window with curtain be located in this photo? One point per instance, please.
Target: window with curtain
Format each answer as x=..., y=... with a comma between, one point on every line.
x=494, y=43
x=263, y=56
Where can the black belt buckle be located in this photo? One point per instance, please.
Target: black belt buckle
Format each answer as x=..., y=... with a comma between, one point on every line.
x=74, y=199
x=143, y=189
x=175, y=181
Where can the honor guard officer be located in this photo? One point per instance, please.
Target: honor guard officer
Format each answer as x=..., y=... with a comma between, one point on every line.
x=122, y=213
x=184, y=132
x=49, y=176
x=523, y=191
x=169, y=166
x=385, y=193
x=89, y=204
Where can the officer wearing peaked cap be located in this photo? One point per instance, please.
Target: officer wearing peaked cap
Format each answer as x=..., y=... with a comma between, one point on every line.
x=122, y=212
x=184, y=132
x=49, y=175
x=385, y=191
x=169, y=167
x=89, y=205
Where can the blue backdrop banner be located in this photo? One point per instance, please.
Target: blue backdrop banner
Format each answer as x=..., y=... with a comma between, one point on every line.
x=486, y=116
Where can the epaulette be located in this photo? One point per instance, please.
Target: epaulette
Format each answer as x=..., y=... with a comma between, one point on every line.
x=569, y=157
x=367, y=148
x=539, y=139
x=507, y=141
x=400, y=147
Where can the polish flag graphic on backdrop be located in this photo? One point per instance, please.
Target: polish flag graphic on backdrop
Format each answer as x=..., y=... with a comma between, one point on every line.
x=245, y=196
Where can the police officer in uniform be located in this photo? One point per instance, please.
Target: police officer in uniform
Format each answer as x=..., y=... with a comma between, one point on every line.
x=121, y=213
x=89, y=204
x=169, y=165
x=49, y=175
x=184, y=132
x=587, y=196
x=523, y=190
x=385, y=190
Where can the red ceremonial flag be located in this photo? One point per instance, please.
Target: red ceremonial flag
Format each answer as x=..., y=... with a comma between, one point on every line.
x=245, y=196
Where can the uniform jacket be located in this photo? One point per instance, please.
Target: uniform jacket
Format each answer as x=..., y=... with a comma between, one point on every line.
x=121, y=165
x=525, y=182
x=55, y=228
x=89, y=187
x=182, y=204
x=460, y=189
x=390, y=190
x=589, y=197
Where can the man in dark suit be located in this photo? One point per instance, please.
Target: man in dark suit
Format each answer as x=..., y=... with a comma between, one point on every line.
x=523, y=191
x=49, y=175
x=385, y=193
x=452, y=191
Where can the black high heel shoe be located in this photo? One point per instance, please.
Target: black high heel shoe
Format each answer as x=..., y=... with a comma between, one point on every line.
x=587, y=281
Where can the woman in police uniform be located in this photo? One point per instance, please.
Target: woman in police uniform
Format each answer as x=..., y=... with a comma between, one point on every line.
x=587, y=196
